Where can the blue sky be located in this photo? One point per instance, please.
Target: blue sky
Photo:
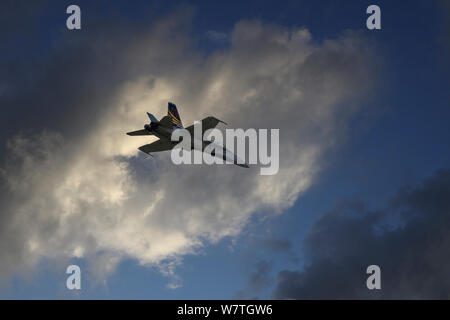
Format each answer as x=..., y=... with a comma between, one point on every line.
x=399, y=138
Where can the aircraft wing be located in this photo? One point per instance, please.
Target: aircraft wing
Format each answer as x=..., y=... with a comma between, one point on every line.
x=207, y=123
x=156, y=146
x=142, y=132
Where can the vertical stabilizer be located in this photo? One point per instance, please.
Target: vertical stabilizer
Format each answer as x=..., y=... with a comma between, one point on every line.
x=172, y=112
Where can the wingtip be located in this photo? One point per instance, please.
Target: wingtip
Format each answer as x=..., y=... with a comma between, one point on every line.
x=222, y=121
x=142, y=150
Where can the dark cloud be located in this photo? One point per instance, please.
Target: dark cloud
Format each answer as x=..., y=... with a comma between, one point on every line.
x=408, y=239
x=258, y=280
x=277, y=245
x=62, y=80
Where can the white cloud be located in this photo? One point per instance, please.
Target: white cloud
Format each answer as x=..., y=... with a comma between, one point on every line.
x=91, y=197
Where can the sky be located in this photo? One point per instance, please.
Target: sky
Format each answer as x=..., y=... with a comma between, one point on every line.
x=364, y=173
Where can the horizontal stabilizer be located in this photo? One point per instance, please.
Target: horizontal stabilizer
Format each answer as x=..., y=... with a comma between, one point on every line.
x=142, y=132
x=152, y=118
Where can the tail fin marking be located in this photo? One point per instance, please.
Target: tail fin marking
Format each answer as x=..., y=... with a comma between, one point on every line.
x=172, y=112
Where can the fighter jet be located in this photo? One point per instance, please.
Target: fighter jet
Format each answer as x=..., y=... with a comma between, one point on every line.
x=164, y=128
